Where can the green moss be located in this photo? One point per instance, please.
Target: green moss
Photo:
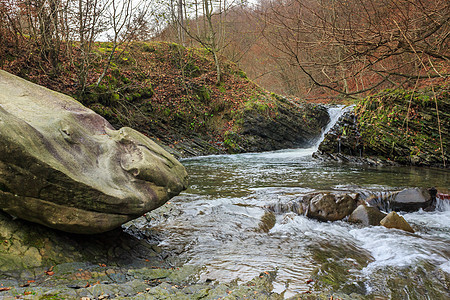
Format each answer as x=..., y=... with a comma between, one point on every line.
x=231, y=140
x=242, y=74
x=202, y=93
x=402, y=125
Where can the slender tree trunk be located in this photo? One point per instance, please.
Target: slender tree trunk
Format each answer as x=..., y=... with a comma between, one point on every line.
x=181, y=22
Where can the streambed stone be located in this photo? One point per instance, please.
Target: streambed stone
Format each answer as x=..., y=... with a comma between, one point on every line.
x=328, y=206
x=393, y=220
x=409, y=200
x=64, y=166
x=366, y=215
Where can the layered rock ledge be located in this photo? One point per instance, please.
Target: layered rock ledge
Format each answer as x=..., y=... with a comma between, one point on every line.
x=393, y=127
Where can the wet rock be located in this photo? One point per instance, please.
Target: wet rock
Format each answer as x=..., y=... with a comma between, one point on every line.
x=412, y=199
x=286, y=207
x=393, y=220
x=28, y=247
x=329, y=207
x=64, y=166
x=343, y=138
x=409, y=200
x=267, y=221
x=366, y=215
x=290, y=124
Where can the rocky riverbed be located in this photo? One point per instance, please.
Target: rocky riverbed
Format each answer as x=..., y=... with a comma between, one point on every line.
x=37, y=262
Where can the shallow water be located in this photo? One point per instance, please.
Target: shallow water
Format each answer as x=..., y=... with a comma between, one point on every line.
x=217, y=223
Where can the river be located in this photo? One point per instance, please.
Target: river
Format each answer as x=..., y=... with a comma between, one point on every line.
x=217, y=223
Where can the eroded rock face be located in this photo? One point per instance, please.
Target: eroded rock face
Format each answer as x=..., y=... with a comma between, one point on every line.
x=64, y=166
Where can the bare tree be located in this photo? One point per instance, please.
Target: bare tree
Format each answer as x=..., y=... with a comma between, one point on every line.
x=121, y=14
x=356, y=46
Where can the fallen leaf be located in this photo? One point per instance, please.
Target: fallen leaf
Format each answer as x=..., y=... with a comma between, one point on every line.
x=4, y=289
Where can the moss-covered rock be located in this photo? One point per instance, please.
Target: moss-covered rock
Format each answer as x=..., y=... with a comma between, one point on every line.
x=405, y=127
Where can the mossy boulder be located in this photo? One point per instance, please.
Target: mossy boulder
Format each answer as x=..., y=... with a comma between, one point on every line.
x=64, y=166
x=328, y=206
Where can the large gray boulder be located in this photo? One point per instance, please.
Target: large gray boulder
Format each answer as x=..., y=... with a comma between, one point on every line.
x=409, y=200
x=64, y=166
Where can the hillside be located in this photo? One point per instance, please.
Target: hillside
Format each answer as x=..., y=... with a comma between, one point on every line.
x=169, y=93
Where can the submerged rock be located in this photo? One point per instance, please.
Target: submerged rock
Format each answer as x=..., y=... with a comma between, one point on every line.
x=393, y=220
x=366, y=215
x=329, y=207
x=64, y=166
x=268, y=220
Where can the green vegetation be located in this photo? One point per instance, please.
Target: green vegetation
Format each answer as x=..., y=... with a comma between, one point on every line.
x=403, y=126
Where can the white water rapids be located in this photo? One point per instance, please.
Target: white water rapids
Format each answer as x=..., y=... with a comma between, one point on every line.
x=215, y=223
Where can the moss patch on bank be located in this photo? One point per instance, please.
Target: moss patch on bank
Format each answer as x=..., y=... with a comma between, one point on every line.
x=408, y=127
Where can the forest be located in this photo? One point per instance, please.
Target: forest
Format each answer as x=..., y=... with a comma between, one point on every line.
x=314, y=49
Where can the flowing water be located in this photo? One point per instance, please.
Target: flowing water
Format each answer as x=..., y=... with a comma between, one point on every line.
x=219, y=223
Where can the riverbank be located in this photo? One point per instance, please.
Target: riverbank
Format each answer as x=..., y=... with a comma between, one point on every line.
x=169, y=93
x=394, y=127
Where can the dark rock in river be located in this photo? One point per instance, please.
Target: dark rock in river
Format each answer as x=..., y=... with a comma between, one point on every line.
x=366, y=215
x=343, y=137
x=292, y=125
x=410, y=199
x=393, y=220
x=64, y=166
x=343, y=143
x=329, y=207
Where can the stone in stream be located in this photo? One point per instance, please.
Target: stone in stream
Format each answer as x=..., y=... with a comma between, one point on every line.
x=366, y=215
x=409, y=200
x=64, y=166
x=393, y=220
x=328, y=206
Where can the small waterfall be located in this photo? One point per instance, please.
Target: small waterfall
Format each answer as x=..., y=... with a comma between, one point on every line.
x=442, y=202
x=335, y=113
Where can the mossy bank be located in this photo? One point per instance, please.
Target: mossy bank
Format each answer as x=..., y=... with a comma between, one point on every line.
x=394, y=127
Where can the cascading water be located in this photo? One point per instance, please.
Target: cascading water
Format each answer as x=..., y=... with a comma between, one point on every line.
x=219, y=223
x=335, y=112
